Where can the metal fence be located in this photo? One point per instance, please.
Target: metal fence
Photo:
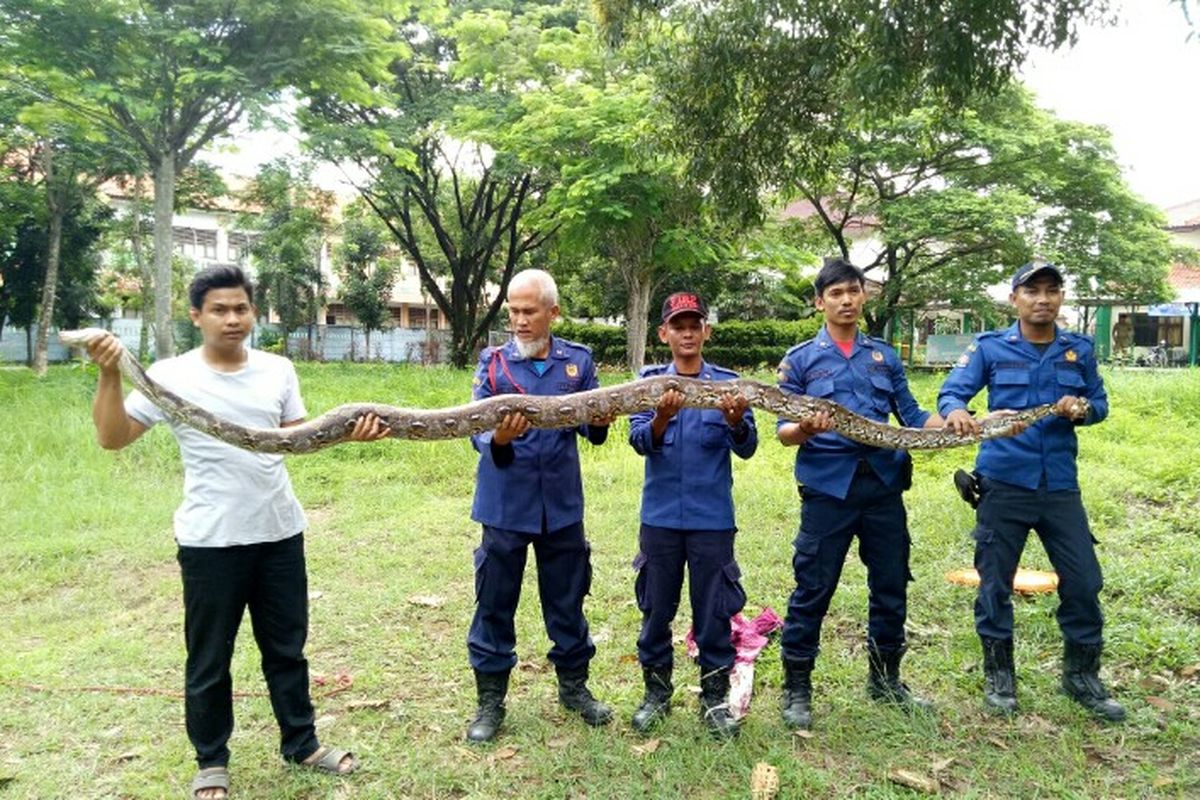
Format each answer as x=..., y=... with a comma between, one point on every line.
x=321, y=342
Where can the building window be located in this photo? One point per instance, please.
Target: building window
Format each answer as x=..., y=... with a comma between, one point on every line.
x=239, y=247
x=1148, y=331
x=416, y=317
x=206, y=243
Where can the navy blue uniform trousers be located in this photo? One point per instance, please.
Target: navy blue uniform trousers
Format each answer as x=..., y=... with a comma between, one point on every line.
x=219, y=584
x=564, y=573
x=875, y=513
x=714, y=587
x=1005, y=515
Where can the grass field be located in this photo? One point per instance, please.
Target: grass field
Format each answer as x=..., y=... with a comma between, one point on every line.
x=90, y=594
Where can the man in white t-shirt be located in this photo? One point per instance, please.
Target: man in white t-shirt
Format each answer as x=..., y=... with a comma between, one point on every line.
x=239, y=528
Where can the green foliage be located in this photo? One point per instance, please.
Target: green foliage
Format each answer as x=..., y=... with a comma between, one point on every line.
x=292, y=222
x=957, y=198
x=760, y=89
x=368, y=267
x=758, y=344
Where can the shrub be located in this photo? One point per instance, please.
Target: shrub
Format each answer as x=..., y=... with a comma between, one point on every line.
x=734, y=344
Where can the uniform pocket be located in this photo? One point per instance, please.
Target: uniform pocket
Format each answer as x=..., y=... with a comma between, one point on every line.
x=822, y=387
x=983, y=535
x=480, y=559
x=714, y=434
x=733, y=596
x=1069, y=377
x=639, y=582
x=1011, y=388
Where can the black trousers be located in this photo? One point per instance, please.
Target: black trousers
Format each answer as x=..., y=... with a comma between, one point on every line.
x=875, y=513
x=219, y=584
x=564, y=573
x=1005, y=515
x=714, y=588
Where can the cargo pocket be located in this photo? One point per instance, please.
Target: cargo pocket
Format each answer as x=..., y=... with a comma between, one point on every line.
x=480, y=558
x=714, y=434
x=587, y=576
x=639, y=582
x=806, y=562
x=733, y=596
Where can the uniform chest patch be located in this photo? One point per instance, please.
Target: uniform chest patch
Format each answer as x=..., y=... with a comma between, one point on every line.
x=572, y=370
x=878, y=356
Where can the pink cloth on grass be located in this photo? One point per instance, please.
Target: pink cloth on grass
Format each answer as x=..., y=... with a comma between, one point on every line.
x=749, y=637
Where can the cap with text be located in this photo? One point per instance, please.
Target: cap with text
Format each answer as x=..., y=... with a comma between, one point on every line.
x=1033, y=270
x=683, y=303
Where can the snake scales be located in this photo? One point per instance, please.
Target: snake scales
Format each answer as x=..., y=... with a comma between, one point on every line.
x=553, y=411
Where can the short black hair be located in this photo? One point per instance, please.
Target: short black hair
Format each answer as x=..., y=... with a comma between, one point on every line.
x=218, y=277
x=837, y=270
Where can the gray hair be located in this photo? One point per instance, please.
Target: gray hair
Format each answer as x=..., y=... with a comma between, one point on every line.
x=541, y=280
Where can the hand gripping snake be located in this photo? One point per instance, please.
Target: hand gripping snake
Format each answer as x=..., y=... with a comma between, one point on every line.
x=549, y=411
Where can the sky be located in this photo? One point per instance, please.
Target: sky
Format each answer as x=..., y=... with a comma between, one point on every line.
x=1139, y=77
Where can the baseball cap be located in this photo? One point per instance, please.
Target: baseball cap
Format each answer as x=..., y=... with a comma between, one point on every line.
x=684, y=303
x=1031, y=270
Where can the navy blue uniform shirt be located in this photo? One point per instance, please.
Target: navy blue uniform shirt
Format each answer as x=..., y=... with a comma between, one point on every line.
x=689, y=479
x=542, y=480
x=870, y=382
x=1018, y=375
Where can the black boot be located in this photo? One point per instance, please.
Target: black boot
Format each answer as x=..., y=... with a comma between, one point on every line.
x=999, y=675
x=1081, y=681
x=491, y=687
x=573, y=693
x=797, y=692
x=657, y=702
x=883, y=681
x=714, y=703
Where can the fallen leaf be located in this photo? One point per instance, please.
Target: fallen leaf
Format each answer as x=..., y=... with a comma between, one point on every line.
x=1190, y=671
x=913, y=780
x=506, y=752
x=1154, y=683
x=355, y=705
x=764, y=782
x=128, y=755
x=997, y=743
x=1162, y=704
x=531, y=666
x=427, y=600
x=802, y=734
x=1037, y=723
x=1097, y=756
x=647, y=748
x=942, y=765
x=1162, y=782
x=557, y=744
x=628, y=658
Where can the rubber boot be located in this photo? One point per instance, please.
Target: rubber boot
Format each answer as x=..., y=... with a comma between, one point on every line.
x=573, y=693
x=999, y=675
x=883, y=680
x=797, y=692
x=714, y=703
x=491, y=688
x=1081, y=681
x=657, y=702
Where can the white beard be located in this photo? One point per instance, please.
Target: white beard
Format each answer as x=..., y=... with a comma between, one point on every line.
x=532, y=348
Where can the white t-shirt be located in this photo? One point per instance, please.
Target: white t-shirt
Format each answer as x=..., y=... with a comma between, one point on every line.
x=230, y=496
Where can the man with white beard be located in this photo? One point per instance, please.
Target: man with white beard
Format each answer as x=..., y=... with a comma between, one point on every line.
x=529, y=491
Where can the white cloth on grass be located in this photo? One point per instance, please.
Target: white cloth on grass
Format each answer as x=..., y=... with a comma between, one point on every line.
x=230, y=496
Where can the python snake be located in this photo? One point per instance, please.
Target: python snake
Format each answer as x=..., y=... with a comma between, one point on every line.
x=548, y=411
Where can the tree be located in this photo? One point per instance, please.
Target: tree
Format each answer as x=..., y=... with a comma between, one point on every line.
x=292, y=224
x=367, y=268
x=455, y=207
x=173, y=76
x=760, y=89
x=953, y=200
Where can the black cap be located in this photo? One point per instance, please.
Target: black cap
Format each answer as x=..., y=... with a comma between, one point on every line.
x=1033, y=269
x=684, y=303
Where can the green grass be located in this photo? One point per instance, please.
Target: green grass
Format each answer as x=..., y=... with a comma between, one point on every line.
x=90, y=594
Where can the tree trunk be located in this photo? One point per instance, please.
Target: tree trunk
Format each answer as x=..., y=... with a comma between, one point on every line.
x=164, y=215
x=637, y=312
x=49, y=289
